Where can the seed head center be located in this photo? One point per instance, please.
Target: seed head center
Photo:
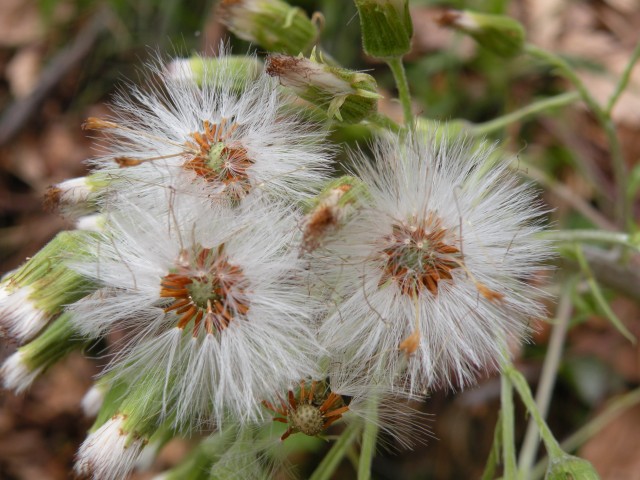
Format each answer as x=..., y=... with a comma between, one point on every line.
x=203, y=292
x=307, y=419
x=219, y=159
x=206, y=289
x=419, y=256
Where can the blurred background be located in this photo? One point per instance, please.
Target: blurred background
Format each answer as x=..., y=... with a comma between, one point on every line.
x=61, y=60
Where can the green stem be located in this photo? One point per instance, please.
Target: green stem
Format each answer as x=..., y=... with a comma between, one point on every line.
x=382, y=121
x=331, y=461
x=535, y=108
x=494, y=455
x=599, y=297
x=603, y=117
x=624, y=80
x=508, y=437
x=369, y=438
x=547, y=381
x=580, y=436
x=578, y=236
x=520, y=384
x=399, y=75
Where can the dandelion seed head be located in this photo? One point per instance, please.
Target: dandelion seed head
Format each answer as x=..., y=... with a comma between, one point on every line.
x=434, y=268
x=221, y=140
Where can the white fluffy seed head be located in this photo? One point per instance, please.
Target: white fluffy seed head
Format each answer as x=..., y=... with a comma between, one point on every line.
x=257, y=334
x=210, y=141
x=16, y=375
x=435, y=269
x=109, y=453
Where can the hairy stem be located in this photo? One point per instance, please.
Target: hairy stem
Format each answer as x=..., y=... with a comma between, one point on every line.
x=508, y=437
x=369, y=439
x=580, y=236
x=331, y=461
x=399, y=75
x=624, y=80
x=547, y=381
x=580, y=436
x=520, y=384
x=603, y=117
x=494, y=454
x=599, y=296
x=535, y=108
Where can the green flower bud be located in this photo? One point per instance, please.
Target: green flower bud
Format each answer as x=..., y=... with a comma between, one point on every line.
x=32, y=359
x=130, y=417
x=273, y=24
x=344, y=94
x=76, y=196
x=237, y=70
x=326, y=212
x=569, y=467
x=37, y=291
x=386, y=27
x=498, y=33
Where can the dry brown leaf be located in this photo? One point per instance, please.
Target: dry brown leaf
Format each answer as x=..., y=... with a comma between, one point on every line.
x=544, y=21
x=20, y=23
x=23, y=70
x=428, y=36
x=614, y=450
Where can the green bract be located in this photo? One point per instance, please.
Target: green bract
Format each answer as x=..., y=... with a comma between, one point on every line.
x=386, y=27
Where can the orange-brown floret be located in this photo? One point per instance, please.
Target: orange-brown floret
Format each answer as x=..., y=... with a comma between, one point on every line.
x=202, y=291
x=217, y=160
x=418, y=256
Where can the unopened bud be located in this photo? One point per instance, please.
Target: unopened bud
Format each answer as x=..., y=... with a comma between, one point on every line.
x=37, y=291
x=330, y=209
x=273, y=24
x=386, y=27
x=76, y=196
x=569, y=467
x=58, y=339
x=129, y=417
x=344, y=94
x=501, y=34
